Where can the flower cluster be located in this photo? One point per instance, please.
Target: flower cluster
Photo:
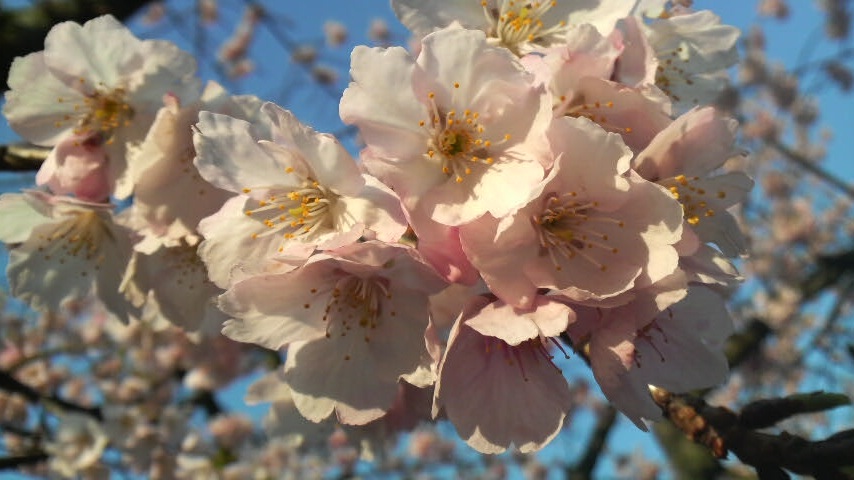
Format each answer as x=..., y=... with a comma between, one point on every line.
x=534, y=175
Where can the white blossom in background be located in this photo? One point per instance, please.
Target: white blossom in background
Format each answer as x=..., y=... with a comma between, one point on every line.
x=96, y=79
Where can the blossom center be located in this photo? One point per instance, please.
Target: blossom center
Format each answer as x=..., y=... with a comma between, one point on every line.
x=670, y=71
x=568, y=228
x=355, y=307
x=519, y=22
x=596, y=112
x=534, y=350
x=692, y=197
x=459, y=142
x=102, y=112
x=81, y=236
x=646, y=334
x=296, y=214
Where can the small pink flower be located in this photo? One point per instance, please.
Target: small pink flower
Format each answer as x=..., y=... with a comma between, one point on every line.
x=302, y=191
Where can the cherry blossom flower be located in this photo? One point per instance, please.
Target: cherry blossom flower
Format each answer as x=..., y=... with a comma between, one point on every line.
x=459, y=131
x=77, y=446
x=588, y=231
x=96, y=79
x=497, y=383
x=693, y=51
x=683, y=158
x=354, y=320
x=303, y=191
x=680, y=348
x=578, y=81
x=519, y=26
x=64, y=249
x=171, y=283
x=170, y=197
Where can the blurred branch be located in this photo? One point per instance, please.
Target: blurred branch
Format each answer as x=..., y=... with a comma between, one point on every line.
x=812, y=167
x=11, y=384
x=583, y=470
x=23, y=30
x=721, y=430
x=8, y=463
x=22, y=157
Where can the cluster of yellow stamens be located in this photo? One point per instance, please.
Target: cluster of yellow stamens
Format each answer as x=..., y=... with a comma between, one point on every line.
x=518, y=22
x=567, y=228
x=595, y=112
x=457, y=140
x=101, y=112
x=186, y=265
x=298, y=213
x=355, y=302
x=669, y=72
x=81, y=236
x=693, y=198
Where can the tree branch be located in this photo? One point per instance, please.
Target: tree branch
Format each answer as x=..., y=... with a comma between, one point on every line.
x=11, y=384
x=722, y=430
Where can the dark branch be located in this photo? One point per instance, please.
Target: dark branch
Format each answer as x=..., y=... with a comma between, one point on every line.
x=583, y=470
x=8, y=463
x=22, y=157
x=722, y=430
x=11, y=384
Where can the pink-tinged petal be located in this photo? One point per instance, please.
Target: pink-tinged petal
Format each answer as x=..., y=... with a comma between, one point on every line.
x=79, y=252
x=276, y=310
x=546, y=318
x=376, y=207
x=498, y=395
x=454, y=206
x=491, y=253
x=440, y=246
x=578, y=140
x=693, y=145
x=341, y=387
x=233, y=238
x=170, y=196
x=636, y=66
x=38, y=104
x=379, y=101
x=78, y=166
x=229, y=156
x=108, y=46
x=330, y=163
x=631, y=113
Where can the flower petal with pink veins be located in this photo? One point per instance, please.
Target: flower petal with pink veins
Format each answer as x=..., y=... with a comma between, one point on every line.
x=498, y=395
